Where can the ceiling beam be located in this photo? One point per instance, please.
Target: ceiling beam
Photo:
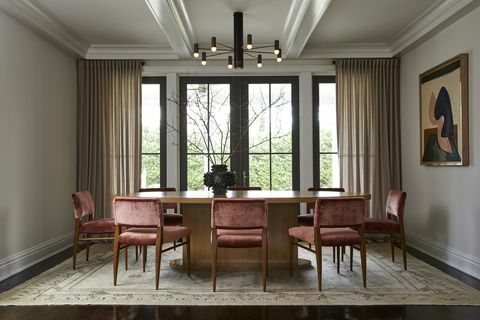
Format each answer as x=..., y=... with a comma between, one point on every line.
x=302, y=19
x=41, y=21
x=172, y=18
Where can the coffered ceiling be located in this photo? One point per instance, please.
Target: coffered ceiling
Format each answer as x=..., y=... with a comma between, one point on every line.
x=167, y=29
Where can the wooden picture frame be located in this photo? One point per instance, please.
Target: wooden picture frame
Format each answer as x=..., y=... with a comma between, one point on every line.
x=444, y=114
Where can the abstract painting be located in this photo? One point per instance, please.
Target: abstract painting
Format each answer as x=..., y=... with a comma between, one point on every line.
x=444, y=114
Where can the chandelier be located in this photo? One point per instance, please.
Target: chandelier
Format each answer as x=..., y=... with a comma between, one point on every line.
x=238, y=50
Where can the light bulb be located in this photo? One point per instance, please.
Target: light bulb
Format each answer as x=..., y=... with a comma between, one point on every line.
x=276, y=51
x=249, y=46
x=230, y=66
x=279, y=59
x=259, y=65
x=204, y=62
x=214, y=49
x=196, y=55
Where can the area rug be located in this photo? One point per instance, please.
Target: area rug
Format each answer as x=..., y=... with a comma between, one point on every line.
x=387, y=283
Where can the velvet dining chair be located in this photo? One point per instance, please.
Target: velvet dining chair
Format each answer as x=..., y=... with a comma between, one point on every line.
x=143, y=225
x=306, y=219
x=239, y=223
x=392, y=225
x=337, y=222
x=86, y=225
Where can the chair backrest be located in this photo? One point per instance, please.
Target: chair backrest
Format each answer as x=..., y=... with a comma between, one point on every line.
x=166, y=205
x=311, y=205
x=243, y=188
x=239, y=213
x=396, y=203
x=339, y=212
x=83, y=204
x=135, y=212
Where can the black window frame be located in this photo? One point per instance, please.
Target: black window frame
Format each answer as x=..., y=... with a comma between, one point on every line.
x=162, y=81
x=239, y=161
x=316, y=80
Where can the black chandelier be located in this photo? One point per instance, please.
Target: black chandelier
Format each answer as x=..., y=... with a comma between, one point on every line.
x=238, y=50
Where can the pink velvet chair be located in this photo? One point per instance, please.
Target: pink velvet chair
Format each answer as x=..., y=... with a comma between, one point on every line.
x=392, y=225
x=337, y=222
x=144, y=224
x=239, y=223
x=85, y=224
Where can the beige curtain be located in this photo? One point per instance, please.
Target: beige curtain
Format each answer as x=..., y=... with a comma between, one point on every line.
x=108, y=127
x=369, y=127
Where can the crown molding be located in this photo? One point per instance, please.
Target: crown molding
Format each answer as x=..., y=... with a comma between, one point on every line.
x=358, y=50
x=143, y=52
x=426, y=23
x=172, y=17
x=37, y=18
x=302, y=18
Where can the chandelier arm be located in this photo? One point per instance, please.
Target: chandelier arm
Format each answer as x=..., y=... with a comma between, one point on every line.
x=266, y=52
x=261, y=47
x=224, y=45
x=251, y=55
x=217, y=54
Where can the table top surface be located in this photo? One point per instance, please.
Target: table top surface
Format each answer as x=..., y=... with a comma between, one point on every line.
x=269, y=196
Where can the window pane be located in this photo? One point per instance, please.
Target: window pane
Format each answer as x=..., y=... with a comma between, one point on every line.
x=197, y=117
x=151, y=118
x=220, y=118
x=259, y=171
x=150, y=177
x=197, y=166
x=281, y=117
x=327, y=117
x=258, y=117
x=282, y=172
x=329, y=171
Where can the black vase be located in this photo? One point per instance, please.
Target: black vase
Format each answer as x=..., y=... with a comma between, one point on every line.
x=219, y=179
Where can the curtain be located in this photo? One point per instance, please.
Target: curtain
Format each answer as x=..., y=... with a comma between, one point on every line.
x=369, y=128
x=108, y=129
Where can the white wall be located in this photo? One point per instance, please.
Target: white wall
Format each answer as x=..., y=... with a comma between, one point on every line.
x=443, y=204
x=37, y=146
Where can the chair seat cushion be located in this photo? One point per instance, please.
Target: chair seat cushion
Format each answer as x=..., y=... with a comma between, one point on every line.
x=148, y=236
x=329, y=236
x=172, y=219
x=247, y=238
x=381, y=226
x=106, y=225
x=305, y=219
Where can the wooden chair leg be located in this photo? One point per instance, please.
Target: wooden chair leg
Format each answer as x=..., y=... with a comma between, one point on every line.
x=126, y=258
x=338, y=259
x=264, y=265
x=144, y=257
x=404, y=250
x=291, y=256
x=333, y=252
x=136, y=253
x=392, y=246
x=87, y=248
x=158, y=259
x=116, y=249
x=343, y=252
x=351, y=258
x=214, y=268
x=318, y=256
x=188, y=255
x=75, y=246
x=363, y=252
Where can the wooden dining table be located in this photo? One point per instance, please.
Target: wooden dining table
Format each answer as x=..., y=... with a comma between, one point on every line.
x=283, y=208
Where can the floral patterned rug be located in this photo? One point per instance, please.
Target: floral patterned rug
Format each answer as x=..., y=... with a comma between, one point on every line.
x=387, y=283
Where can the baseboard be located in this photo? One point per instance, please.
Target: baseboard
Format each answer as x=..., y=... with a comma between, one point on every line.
x=20, y=261
x=457, y=259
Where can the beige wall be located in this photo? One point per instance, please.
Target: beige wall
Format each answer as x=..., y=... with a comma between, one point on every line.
x=37, y=145
x=443, y=204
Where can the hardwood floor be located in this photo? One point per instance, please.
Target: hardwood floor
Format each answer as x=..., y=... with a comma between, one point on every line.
x=394, y=312
x=244, y=312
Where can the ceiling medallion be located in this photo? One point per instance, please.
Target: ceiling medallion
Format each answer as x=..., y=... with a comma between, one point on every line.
x=238, y=50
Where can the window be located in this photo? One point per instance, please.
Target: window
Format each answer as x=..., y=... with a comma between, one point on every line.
x=325, y=146
x=249, y=122
x=153, y=155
